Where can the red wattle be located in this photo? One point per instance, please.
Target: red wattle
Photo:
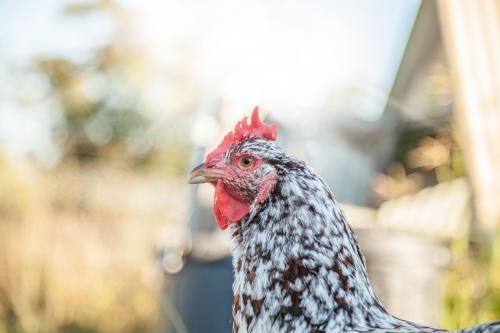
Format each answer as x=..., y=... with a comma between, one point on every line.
x=227, y=209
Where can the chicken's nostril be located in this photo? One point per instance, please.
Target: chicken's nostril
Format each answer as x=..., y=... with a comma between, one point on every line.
x=199, y=166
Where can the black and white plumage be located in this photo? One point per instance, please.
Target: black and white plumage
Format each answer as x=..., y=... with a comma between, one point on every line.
x=297, y=265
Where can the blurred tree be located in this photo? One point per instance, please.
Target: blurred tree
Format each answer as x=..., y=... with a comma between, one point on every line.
x=105, y=115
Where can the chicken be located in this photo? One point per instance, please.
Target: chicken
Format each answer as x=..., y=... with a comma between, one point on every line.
x=297, y=265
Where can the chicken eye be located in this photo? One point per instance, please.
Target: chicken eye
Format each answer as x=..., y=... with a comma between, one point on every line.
x=246, y=162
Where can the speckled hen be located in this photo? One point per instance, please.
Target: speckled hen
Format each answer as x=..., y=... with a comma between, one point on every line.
x=297, y=265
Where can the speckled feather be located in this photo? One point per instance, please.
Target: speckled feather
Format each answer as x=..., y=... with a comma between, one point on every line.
x=297, y=264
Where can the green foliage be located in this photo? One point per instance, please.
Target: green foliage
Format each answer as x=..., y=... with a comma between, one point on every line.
x=472, y=285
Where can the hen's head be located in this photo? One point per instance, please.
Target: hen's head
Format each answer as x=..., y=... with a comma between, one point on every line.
x=242, y=169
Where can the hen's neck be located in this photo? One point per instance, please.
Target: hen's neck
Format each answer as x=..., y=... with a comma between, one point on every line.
x=297, y=265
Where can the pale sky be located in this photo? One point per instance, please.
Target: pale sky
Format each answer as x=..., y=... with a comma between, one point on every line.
x=260, y=51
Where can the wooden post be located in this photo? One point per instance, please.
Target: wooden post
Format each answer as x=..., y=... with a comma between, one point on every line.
x=471, y=33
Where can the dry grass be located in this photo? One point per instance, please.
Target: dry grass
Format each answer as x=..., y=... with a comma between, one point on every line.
x=77, y=249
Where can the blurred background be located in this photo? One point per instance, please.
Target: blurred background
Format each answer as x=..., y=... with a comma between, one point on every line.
x=106, y=104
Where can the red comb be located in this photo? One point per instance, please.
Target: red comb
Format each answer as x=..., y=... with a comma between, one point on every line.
x=243, y=131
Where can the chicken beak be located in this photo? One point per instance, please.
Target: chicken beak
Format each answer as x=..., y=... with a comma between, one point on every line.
x=204, y=174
